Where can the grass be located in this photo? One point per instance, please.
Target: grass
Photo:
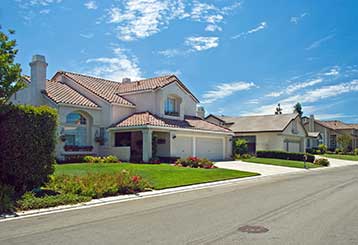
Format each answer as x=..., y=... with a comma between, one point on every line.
x=160, y=176
x=342, y=157
x=280, y=162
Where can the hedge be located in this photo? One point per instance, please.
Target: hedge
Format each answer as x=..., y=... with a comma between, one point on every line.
x=27, y=146
x=285, y=155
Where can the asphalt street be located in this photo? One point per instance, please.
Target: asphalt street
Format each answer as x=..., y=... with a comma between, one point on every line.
x=318, y=207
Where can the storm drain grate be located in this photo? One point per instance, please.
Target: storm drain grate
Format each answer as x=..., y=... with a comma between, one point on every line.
x=253, y=229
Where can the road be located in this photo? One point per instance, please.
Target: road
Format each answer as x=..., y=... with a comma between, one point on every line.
x=319, y=207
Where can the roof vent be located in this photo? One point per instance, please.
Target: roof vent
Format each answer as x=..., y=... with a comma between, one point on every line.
x=126, y=80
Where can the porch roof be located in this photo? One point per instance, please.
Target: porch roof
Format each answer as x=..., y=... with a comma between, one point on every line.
x=149, y=119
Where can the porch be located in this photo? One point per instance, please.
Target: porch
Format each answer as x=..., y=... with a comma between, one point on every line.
x=143, y=145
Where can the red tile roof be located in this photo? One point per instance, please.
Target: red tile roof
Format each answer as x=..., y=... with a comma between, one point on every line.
x=335, y=125
x=111, y=91
x=189, y=122
x=107, y=90
x=62, y=93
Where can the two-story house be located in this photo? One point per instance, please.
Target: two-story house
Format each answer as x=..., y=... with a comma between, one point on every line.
x=134, y=120
x=284, y=132
x=329, y=131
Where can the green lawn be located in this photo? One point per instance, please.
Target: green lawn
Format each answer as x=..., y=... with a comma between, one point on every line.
x=160, y=176
x=280, y=162
x=343, y=157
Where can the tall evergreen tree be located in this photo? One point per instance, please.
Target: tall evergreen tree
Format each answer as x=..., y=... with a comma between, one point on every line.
x=10, y=72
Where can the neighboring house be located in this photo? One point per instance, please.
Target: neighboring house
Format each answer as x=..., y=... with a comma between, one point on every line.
x=155, y=117
x=331, y=130
x=268, y=132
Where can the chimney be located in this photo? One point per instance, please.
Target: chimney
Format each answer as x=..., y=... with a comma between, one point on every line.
x=38, y=77
x=200, y=112
x=311, y=123
x=126, y=80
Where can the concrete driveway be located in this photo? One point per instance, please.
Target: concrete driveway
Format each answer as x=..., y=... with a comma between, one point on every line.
x=266, y=170
x=262, y=169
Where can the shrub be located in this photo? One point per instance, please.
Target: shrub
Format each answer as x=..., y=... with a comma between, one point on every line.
x=240, y=146
x=107, y=159
x=6, y=196
x=345, y=141
x=97, y=185
x=355, y=151
x=88, y=159
x=195, y=162
x=30, y=201
x=110, y=159
x=338, y=150
x=322, y=162
x=27, y=146
x=322, y=148
x=285, y=155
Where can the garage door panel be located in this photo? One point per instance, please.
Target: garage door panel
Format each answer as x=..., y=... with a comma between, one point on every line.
x=211, y=148
x=183, y=146
x=293, y=147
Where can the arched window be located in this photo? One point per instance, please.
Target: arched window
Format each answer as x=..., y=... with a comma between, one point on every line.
x=76, y=129
x=76, y=118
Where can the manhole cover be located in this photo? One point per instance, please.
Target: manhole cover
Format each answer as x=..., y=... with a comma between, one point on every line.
x=253, y=229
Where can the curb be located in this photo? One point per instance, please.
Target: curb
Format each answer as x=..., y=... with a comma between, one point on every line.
x=149, y=194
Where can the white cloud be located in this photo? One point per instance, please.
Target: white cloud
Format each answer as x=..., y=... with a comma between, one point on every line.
x=225, y=89
x=275, y=94
x=294, y=87
x=297, y=86
x=117, y=67
x=167, y=72
x=210, y=14
x=41, y=2
x=318, y=43
x=45, y=11
x=213, y=28
x=202, y=43
x=170, y=52
x=91, y=5
x=332, y=72
x=261, y=26
x=307, y=98
x=139, y=19
x=297, y=19
x=87, y=35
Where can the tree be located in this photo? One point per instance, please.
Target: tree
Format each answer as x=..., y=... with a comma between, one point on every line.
x=344, y=141
x=240, y=146
x=298, y=109
x=278, y=110
x=11, y=80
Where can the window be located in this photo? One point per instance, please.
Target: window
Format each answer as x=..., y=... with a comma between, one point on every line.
x=75, y=118
x=294, y=127
x=75, y=130
x=171, y=107
x=122, y=139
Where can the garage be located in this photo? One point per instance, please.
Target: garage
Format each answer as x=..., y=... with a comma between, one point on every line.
x=183, y=146
x=293, y=146
x=211, y=148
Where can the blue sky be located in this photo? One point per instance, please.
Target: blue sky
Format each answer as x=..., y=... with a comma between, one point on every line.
x=238, y=57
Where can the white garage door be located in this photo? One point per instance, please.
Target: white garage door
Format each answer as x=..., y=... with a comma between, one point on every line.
x=209, y=148
x=293, y=147
x=182, y=146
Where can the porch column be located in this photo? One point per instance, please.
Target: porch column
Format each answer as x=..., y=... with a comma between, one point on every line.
x=147, y=144
x=194, y=146
x=171, y=148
